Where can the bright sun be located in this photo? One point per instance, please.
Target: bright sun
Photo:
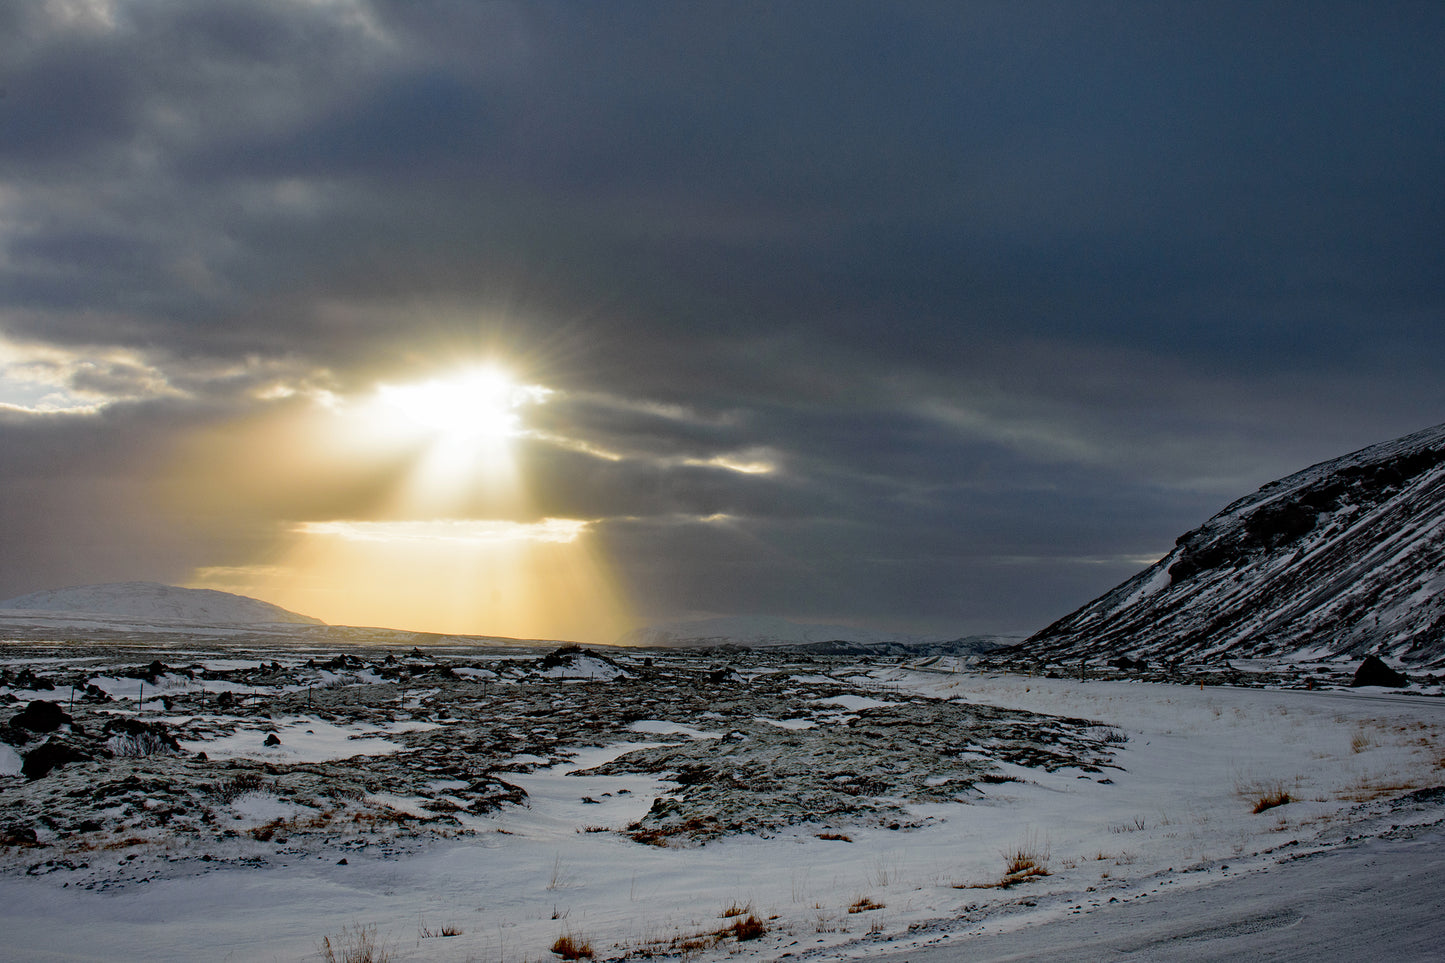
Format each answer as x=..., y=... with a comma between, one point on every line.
x=479, y=404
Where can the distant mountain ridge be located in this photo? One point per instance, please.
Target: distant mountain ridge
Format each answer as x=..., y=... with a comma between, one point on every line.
x=766, y=631
x=752, y=630
x=1344, y=558
x=142, y=601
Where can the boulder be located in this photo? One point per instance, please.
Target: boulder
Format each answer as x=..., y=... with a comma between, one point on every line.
x=41, y=715
x=130, y=737
x=1372, y=671
x=51, y=754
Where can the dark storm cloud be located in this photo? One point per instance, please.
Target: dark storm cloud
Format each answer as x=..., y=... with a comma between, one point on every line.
x=1006, y=295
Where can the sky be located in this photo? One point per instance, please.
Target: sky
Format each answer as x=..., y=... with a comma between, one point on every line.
x=553, y=319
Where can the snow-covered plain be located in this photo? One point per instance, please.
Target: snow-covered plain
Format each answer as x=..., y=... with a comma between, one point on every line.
x=1172, y=811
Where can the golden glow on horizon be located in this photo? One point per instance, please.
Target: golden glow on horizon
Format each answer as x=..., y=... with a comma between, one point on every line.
x=411, y=492
x=526, y=588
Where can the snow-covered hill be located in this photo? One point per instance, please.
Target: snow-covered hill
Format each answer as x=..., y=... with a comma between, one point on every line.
x=1344, y=558
x=153, y=602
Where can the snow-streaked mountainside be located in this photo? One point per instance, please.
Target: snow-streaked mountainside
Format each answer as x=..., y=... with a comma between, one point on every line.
x=766, y=631
x=1344, y=558
x=151, y=601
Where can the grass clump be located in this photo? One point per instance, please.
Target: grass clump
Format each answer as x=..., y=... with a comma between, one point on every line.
x=1271, y=799
x=354, y=944
x=570, y=947
x=864, y=904
x=1028, y=860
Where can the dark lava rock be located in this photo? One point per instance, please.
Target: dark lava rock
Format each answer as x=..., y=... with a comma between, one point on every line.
x=26, y=679
x=1374, y=672
x=51, y=754
x=42, y=715
x=272, y=740
x=565, y=655
x=149, y=673
x=18, y=835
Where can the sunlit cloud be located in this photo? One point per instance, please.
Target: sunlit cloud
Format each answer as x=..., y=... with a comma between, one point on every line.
x=210, y=575
x=579, y=445
x=37, y=378
x=461, y=531
x=96, y=15
x=46, y=379
x=751, y=467
x=1039, y=433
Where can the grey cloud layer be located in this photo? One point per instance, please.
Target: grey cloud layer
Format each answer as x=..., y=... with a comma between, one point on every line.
x=1010, y=293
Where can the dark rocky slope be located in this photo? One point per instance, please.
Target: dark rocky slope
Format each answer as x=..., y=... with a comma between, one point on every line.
x=1344, y=558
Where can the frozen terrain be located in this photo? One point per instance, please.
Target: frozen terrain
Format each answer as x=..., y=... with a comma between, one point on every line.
x=672, y=803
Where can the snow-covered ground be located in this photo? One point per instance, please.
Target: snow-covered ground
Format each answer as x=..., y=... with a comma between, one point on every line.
x=1174, y=812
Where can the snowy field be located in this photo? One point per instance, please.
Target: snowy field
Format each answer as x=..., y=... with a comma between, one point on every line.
x=472, y=805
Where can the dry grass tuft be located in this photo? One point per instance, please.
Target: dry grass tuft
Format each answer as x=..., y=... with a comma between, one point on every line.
x=733, y=909
x=265, y=833
x=1367, y=788
x=1277, y=796
x=864, y=904
x=355, y=944
x=741, y=928
x=570, y=947
x=1028, y=860
x=837, y=837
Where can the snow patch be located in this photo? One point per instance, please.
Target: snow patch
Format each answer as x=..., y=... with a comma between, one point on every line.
x=10, y=761
x=659, y=727
x=302, y=740
x=854, y=703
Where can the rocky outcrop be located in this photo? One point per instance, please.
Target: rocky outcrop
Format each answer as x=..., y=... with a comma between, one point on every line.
x=1373, y=671
x=1344, y=558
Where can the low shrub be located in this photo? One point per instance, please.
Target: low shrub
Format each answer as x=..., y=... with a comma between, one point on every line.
x=749, y=928
x=1277, y=796
x=570, y=947
x=355, y=944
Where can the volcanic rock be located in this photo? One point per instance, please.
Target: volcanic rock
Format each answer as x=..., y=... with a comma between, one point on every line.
x=1373, y=671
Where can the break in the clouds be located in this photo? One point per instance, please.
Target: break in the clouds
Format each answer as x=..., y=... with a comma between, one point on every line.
x=936, y=316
